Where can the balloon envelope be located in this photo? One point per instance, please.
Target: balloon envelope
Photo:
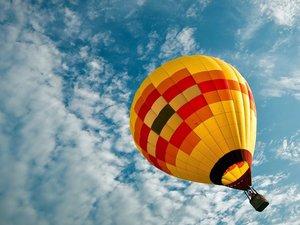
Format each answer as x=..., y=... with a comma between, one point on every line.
x=194, y=118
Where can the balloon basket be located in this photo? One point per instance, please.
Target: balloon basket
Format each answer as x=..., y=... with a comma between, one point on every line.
x=258, y=201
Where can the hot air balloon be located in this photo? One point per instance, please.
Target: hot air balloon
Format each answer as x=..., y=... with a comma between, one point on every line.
x=194, y=118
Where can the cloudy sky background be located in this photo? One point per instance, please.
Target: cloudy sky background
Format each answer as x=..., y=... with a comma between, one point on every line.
x=69, y=70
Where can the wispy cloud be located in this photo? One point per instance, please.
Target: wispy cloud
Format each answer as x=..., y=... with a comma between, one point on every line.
x=72, y=22
x=259, y=156
x=112, y=10
x=143, y=51
x=285, y=85
x=274, y=60
x=290, y=148
x=284, y=13
x=179, y=42
x=102, y=38
x=253, y=21
x=196, y=8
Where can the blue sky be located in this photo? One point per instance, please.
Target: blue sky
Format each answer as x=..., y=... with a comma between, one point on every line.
x=69, y=70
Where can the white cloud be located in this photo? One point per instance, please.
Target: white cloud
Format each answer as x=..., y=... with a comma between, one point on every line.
x=264, y=181
x=297, y=96
x=97, y=66
x=103, y=38
x=31, y=104
x=196, y=8
x=280, y=42
x=284, y=205
x=98, y=69
x=144, y=51
x=72, y=22
x=266, y=65
x=179, y=42
x=140, y=2
x=282, y=12
x=149, y=67
x=290, y=148
x=285, y=85
x=84, y=52
x=253, y=21
x=248, y=32
x=259, y=155
x=113, y=10
x=273, y=63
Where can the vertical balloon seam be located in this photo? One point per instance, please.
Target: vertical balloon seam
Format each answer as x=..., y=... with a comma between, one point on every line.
x=197, y=114
x=215, y=121
x=203, y=124
x=208, y=58
x=243, y=120
x=218, y=94
x=249, y=119
x=249, y=141
x=239, y=77
x=247, y=103
x=236, y=107
x=248, y=122
x=173, y=129
x=150, y=109
x=148, y=141
x=224, y=67
x=175, y=84
x=247, y=107
x=210, y=77
x=186, y=101
x=233, y=108
x=132, y=112
x=211, y=117
x=209, y=72
x=252, y=120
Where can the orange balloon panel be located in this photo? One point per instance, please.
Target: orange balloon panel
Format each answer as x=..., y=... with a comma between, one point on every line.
x=194, y=118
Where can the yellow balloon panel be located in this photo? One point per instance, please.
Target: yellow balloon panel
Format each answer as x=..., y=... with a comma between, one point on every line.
x=235, y=172
x=192, y=113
